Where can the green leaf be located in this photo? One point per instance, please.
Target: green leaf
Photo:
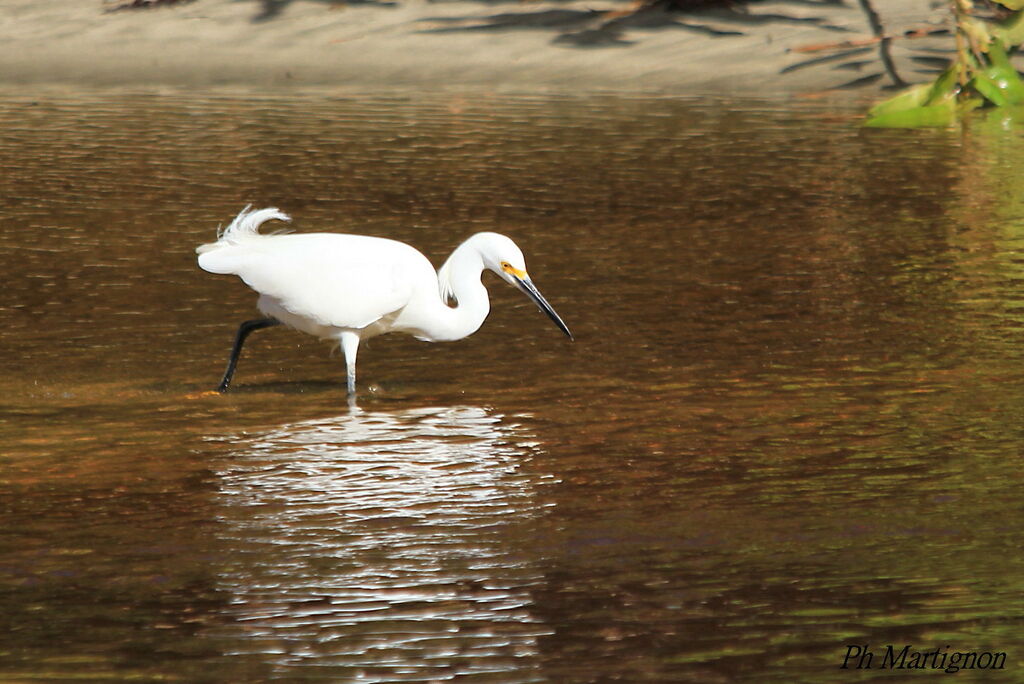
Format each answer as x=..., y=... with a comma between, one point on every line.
x=919, y=106
x=1011, y=30
x=929, y=116
x=1009, y=83
x=909, y=98
x=989, y=89
x=997, y=55
x=1012, y=4
x=999, y=76
x=944, y=87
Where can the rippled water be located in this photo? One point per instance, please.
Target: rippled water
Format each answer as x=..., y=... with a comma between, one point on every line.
x=790, y=421
x=384, y=535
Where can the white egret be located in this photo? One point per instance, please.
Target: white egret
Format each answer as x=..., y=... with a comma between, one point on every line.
x=349, y=288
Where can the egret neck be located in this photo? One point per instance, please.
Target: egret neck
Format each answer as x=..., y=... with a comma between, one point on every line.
x=459, y=279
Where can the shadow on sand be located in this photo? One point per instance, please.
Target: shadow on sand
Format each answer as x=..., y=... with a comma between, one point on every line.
x=856, y=57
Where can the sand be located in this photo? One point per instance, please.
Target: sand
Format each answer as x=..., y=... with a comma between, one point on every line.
x=570, y=46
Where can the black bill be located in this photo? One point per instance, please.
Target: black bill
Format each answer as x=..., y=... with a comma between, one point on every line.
x=527, y=286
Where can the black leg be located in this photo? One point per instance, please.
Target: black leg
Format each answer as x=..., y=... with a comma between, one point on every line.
x=243, y=332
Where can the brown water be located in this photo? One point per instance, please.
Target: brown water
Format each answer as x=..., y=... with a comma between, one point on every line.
x=791, y=420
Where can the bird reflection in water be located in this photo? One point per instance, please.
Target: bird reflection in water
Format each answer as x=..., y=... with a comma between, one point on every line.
x=384, y=540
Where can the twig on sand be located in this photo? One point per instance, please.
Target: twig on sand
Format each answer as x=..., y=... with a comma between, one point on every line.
x=143, y=4
x=845, y=44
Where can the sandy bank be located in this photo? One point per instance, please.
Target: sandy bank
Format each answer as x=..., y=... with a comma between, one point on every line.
x=572, y=46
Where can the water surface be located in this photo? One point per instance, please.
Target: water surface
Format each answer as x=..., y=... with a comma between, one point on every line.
x=790, y=420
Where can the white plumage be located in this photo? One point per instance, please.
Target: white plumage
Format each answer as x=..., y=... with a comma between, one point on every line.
x=352, y=287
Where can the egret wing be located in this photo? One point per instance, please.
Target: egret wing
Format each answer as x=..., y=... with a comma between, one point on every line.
x=347, y=281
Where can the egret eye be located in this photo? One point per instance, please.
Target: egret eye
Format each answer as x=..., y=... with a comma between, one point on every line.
x=505, y=266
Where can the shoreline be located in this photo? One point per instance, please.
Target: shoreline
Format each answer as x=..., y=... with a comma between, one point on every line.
x=775, y=48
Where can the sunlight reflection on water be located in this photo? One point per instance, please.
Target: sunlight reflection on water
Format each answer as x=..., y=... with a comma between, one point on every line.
x=373, y=538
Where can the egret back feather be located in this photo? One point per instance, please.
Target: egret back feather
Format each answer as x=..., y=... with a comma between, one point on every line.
x=244, y=226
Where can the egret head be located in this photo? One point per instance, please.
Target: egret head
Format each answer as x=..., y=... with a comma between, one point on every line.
x=502, y=256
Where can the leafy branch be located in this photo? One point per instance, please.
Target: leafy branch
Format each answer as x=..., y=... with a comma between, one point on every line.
x=981, y=74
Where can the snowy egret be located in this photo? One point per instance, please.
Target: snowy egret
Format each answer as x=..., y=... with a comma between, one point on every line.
x=352, y=287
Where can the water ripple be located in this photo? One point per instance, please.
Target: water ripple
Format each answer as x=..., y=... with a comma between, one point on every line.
x=374, y=539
